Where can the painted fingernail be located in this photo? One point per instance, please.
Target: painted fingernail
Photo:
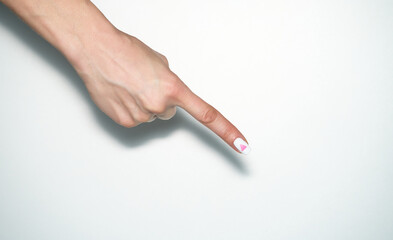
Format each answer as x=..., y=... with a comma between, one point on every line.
x=242, y=146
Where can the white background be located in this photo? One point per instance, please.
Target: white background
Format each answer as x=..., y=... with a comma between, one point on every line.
x=309, y=83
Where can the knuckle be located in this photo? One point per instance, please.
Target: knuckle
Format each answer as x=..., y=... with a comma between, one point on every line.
x=173, y=86
x=159, y=109
x=142, y=117
x=172, y=89
x=155, y=107
x=209, y=115
x=151, y=103
x=159, y=100
x=126, y=122
x=165, y=59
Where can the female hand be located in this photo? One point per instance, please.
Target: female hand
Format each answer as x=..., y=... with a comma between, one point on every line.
x=132, y=84
x=127, y=80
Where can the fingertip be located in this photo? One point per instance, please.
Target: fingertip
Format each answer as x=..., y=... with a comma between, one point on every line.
x=242, y=145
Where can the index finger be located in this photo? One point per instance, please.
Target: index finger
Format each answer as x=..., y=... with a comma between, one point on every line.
x=213, y=119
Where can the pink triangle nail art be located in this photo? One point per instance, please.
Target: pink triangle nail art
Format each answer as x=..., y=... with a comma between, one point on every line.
x=242, y=147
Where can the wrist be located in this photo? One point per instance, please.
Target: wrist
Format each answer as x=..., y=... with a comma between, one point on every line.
x=87, y=31
x=72, y=26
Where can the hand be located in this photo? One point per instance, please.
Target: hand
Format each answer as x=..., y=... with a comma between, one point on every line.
x=128, y=81
x=132, y=83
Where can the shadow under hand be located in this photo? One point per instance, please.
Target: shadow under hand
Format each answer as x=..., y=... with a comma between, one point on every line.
x=130, y=137
x=160, y=128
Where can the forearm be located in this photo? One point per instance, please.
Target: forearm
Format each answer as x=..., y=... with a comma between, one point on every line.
x=72, y=26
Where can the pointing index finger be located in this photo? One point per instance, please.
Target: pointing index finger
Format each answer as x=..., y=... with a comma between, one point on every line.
x=213, y=119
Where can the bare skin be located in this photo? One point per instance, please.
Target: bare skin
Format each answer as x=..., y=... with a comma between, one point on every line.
x=127, y=80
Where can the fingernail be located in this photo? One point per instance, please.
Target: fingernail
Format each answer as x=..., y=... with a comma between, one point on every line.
x=242, y=146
